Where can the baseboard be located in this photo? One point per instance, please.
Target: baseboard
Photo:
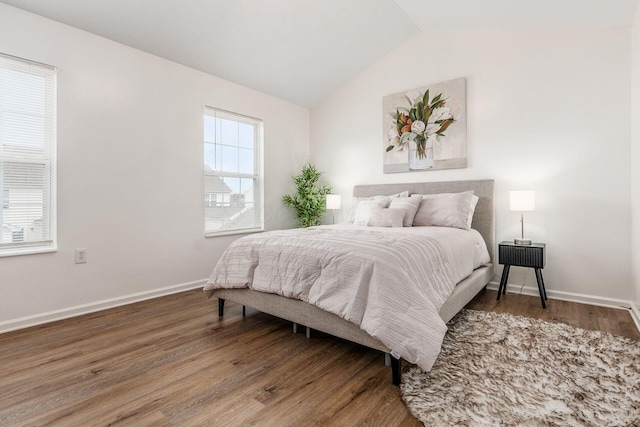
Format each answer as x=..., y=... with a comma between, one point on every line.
x=573, y=297
x=635, y=314
x=78, y=310
x=52, y=316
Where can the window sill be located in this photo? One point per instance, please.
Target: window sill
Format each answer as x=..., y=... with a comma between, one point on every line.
x=232, y=232
x=28, y=251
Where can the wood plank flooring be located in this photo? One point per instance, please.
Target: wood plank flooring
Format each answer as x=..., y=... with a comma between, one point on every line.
x=614, y=321
x=172, y=361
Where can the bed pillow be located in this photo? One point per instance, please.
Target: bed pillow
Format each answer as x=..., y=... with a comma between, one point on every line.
x=364, y=210
x=410, y=204
x=472, y=209
x=390, y=217
x=445, y=210
x=356, y=201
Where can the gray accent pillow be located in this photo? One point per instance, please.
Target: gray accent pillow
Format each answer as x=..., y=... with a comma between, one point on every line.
x=389, y=217
x=410, y=204
x=356, y=202
x=472, y=208
x=366, y=207
x=445, y=210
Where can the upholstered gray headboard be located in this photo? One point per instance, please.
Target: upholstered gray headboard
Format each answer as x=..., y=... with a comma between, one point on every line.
x=483, y=218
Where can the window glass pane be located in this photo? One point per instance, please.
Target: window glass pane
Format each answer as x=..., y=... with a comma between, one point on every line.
x=23, y=130
x=247, y=185
x=210, y=155
x=229, y=159
x=246, y=135
x=246, y=161
x=23, y=186
x=209, y=129
x=24, y=92
x=228, y=132
x=233, y=184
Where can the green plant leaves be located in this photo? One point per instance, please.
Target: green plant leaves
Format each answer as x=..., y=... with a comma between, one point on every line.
x=407, y=136
x=310, y=199
x=419, y=110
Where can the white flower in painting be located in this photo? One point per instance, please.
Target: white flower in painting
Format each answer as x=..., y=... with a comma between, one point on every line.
x=394, y=136
x=432, y=128
x=440, y=114
x=418, y=126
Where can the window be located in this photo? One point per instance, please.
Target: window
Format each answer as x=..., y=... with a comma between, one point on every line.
x=27, y=156
x=232, y=173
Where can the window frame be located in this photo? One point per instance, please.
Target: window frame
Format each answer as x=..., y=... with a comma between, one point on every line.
x=257, y=176
x=49, y=161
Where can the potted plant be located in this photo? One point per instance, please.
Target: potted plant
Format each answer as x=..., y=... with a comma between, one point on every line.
x=310, y=199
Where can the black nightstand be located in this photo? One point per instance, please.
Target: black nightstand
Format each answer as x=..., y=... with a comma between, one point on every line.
x=522, y=256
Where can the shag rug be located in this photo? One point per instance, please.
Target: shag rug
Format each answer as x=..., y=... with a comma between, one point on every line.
x=503, y=370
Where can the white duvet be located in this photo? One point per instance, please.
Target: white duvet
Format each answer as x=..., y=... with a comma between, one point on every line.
x=389, y=281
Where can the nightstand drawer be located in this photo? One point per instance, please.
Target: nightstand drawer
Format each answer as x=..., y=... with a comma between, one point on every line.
x=522, y=256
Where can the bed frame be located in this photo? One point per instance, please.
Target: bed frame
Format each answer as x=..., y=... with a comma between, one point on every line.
x=302, y=313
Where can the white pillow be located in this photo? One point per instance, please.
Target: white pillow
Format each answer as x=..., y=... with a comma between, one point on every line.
x=356, y=201
x=386, y=217
x=445, y=210
x=410, y=204
x=364, y=210
x=472, y=209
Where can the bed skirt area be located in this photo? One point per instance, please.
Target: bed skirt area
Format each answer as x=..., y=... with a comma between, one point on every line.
x=308, y=315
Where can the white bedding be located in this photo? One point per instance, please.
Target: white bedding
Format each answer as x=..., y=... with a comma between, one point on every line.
x=389, y=281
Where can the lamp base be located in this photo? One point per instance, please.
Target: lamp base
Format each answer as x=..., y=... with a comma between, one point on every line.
x=522, y=241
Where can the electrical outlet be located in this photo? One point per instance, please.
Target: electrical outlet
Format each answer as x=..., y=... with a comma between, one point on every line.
x=81, y=255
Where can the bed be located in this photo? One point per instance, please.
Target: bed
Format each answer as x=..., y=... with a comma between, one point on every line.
x=340, y=325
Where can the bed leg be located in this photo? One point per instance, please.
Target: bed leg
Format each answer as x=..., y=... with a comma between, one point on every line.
x=307, y=332
x=244, y=311
x=396, y=367
x=295, y=328
x=220, y=307
x=387, y=359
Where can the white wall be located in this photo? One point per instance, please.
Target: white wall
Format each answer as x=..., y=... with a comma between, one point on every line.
x=547, y=110
x=635, y=153
x=130, y=169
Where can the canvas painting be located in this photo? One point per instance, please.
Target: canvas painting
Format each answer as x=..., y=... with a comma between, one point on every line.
x=426, y=128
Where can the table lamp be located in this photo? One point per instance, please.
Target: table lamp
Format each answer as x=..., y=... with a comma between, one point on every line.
x=522, y=201
x=334, y=201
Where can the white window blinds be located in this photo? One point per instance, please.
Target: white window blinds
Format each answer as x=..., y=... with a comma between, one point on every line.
x=232, y=173
x=27, y=156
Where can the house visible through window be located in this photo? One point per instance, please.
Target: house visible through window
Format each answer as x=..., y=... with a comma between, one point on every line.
x=232, y=176
x=27, y=156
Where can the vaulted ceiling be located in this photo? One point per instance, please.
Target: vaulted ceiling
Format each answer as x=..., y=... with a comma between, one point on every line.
x=303, y=50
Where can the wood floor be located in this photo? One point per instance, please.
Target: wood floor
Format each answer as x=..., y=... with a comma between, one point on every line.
x=172, y=361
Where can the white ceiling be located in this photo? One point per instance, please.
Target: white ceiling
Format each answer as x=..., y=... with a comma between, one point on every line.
x=303, y=50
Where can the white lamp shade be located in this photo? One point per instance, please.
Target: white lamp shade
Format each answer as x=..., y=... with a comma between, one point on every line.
x=522, y=200
x=334, y=201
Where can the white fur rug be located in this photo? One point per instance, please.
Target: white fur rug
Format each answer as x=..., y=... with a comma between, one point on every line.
x=503, y=370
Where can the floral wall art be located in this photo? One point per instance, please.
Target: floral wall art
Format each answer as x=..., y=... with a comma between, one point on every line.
x=426, y=128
